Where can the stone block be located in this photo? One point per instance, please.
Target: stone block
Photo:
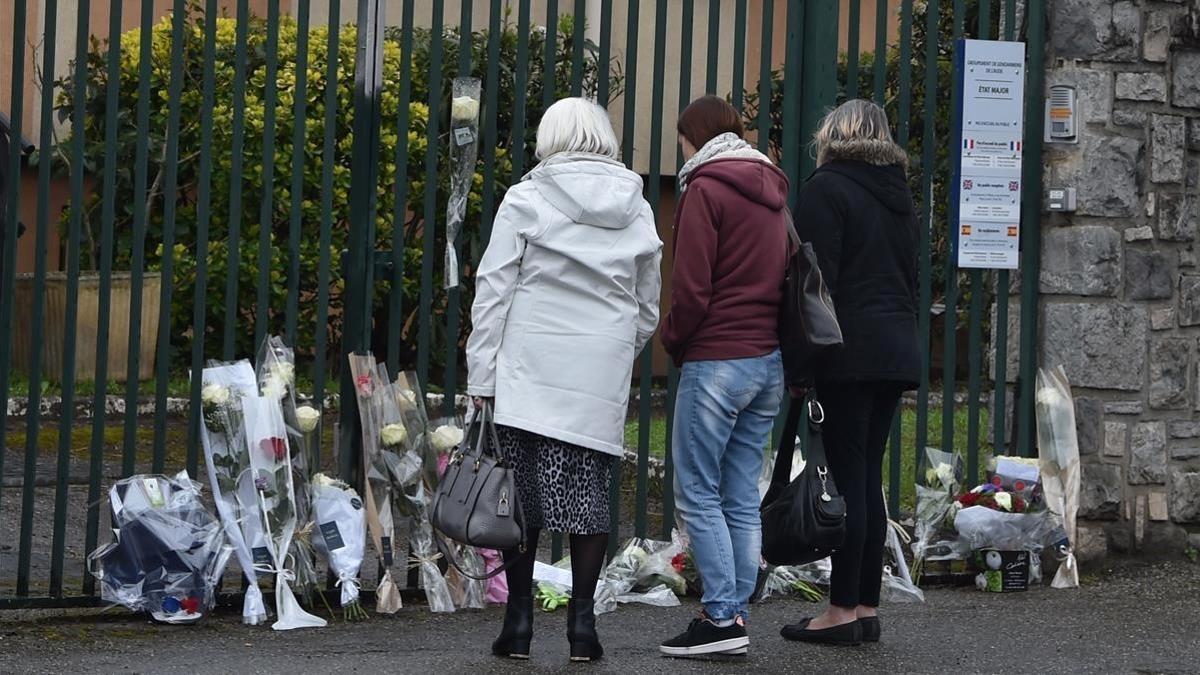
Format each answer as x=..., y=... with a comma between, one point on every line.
x=1164, y=538
x=1158, y=506
x=1178, y=216
x=1100, y=492
x=1148, y=275
x=1084, y=260
x=1116, y=436
x=1106, y=173
x=1184, y=429
x=1168, y=142
x=1188, y=258
x=1162, y=319
x=1189, y=300
x=1185, y=497
x=1170, y=361
x=1194, y=134
x=1098, y=31
x=1156, y=35
x=1093, y=91
x=1129, y=117
x=1142, y=87
x=1089, y=424
x=1148, y=454
x=1185, y=80
x=1101, y=346
x=1123, y=408
x=1185, y=454
x=1091, y=544
x=1144, y=233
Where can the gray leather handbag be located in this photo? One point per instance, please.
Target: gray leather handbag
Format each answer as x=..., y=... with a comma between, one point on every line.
x=476, y=502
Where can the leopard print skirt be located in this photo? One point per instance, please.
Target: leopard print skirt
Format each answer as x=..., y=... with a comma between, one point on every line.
x=563, y=487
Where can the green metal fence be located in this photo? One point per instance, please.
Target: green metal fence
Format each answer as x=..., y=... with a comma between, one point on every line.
x=283, y=174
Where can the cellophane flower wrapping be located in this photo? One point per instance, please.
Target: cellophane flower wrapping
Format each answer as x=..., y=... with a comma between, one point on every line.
x=981, y=527
x=1058, y=450
x=464, y=151
x=277, y=377
x=373, y=393
x=897, y=583
x=940, y=480
x=271, y=464
x=554, y=586
x=168, y=552
x=632, y=566
x=341, y=532
x=227, y=459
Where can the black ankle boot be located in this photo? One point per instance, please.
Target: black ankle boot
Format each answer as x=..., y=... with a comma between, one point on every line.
x=581, y=630
x=518, y=629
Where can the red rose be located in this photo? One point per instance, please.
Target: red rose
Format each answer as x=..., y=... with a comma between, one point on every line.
x=363, y=384
x=191, y=605
x=1019, y=485
x=997, y=481
x=275, y=448
x=679, y=561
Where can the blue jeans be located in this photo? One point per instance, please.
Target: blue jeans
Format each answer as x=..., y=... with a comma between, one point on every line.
x=724, y=411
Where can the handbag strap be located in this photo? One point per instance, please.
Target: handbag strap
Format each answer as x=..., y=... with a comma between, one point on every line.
x=448, y=554
x=810, y=411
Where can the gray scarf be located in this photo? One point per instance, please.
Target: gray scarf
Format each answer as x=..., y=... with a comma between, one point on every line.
x=724, y=146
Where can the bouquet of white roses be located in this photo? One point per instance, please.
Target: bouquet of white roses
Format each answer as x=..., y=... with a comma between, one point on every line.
x=227, y=459
x=270, y=459
x=341, y=537
x=464, y=149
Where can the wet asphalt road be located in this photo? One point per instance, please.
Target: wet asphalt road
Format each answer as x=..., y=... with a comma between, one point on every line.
x=1136, y=617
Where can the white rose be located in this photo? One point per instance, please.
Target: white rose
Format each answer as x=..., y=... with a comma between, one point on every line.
x=464, y=109
x=1004, y=500
x=307, y=417
x=214, y=394
x=324, y=481
x=393, y=435
x=274, y=387
x=945, y=474
x=283, y=371
x=446, y=437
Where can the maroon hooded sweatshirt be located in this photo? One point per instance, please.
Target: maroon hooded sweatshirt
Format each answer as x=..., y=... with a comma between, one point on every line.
x=731, y=253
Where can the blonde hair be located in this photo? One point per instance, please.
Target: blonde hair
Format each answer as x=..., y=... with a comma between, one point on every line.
x=576, y=125
x=857, y=129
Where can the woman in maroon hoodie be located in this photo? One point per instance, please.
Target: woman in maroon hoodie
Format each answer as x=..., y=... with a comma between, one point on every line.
x=731, y=251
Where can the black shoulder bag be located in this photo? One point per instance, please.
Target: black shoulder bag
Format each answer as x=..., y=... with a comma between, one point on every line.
x=808, y=324
x=804, y=519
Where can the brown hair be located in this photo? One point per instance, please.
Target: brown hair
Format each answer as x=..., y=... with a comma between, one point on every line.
x=708, y=117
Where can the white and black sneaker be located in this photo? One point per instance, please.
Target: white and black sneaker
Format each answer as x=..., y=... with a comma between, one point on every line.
x=703, y=637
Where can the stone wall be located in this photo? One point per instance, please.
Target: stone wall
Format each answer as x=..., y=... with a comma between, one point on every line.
x=1120, y=277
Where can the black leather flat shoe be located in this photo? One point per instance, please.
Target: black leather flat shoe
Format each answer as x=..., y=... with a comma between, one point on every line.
x=846, y=635
x=870, y=628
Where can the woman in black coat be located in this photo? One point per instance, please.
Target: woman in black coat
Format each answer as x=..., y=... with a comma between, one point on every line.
x=857, y=211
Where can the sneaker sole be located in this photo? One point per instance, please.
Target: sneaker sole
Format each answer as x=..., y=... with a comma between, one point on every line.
x=730, y=646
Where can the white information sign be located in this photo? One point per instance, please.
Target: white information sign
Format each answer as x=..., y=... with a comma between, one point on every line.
x=988, y=187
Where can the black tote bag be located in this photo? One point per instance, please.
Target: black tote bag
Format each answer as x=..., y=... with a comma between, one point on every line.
x=808, y=324
x=803, y=519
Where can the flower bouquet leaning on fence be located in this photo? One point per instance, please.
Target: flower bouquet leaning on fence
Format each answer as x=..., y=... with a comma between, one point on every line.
x=227, y=460
x=935, y=538
x=270, y=460
x=168, y=553
x=277, y=379
x=341, y=537
x=1058, y=449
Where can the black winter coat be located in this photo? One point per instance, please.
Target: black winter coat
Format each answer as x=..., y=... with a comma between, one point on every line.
x=861, y=222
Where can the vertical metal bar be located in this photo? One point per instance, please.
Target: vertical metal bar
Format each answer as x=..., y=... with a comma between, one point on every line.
x=107, y=219
x=815, y=47
x=1031, y=181
x=950, y=326
x=465, y=15
x=15, y=151
x=549, y=64
x=170, y=203
x=400, y=204
x=765, y=84
x=429, y=222
x=138, y=262
x=74, y=227
x=985, y=20
x=628, y=131
x=1010, y=19
x=904, y=123
x=853, y=23
x=796, y=72
x=236, y=182
x=203, y=220
x=605, y=57
x=739, y=54
x=578, y=27
x=1000, y=326
x=490, y=131
x=520, y=92
x=713, y=46
x=454, y=295
x=646, y=370
x=925, y=265
x=881, y=49
x=266, y=214
x=50, y=39
x=299, y=148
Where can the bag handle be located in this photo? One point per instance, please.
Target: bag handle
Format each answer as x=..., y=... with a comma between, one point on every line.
x=809, y=409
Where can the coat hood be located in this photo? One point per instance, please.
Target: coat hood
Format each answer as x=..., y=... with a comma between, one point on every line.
x=887, y=183
x=756, y=180
x=589, y=189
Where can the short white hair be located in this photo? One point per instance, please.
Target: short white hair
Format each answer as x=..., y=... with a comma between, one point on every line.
x=576, y=125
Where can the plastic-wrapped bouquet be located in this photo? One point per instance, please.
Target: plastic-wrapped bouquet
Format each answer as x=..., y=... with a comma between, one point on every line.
x=935, y=537
x=340, y=537
x=1058, y=448
x=168, y=553
x=638, y=564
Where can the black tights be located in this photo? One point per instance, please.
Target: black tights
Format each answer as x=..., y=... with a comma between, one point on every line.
x=587, y=560
x=858, y=418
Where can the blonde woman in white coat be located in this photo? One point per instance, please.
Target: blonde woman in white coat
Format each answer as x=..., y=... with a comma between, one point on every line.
x=566, y=298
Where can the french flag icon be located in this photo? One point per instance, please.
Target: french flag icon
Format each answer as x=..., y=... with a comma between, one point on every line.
x=968, y=144
x=1014, y=145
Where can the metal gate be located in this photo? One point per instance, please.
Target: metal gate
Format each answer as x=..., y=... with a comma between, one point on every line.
x=221, y=177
